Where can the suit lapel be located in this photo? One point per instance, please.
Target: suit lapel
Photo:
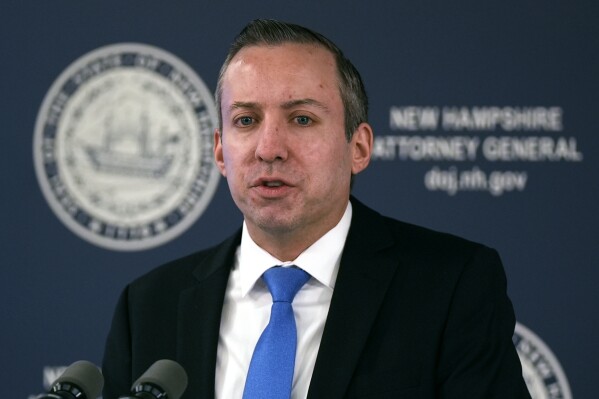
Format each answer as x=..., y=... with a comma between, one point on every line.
x=367, y=267
x=199, y=319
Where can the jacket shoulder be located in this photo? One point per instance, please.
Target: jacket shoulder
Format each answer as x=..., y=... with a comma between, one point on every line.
x=184, y=271
x=410, y=237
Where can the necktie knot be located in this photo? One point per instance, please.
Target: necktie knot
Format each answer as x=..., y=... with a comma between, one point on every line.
x=284, y=282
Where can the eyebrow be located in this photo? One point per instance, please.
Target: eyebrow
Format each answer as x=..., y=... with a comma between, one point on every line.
x=305, y=101
x=286, y=105
x=243, y=104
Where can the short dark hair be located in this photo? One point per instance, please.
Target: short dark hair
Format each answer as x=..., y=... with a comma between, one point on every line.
x=270, y=33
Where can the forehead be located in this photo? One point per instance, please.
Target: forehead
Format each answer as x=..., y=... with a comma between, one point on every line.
x=285, y=52
x=288, y=70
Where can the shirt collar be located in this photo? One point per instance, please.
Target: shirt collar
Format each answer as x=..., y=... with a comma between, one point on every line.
x=321, y=260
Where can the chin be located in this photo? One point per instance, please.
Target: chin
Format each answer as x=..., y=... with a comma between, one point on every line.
x=274, y=225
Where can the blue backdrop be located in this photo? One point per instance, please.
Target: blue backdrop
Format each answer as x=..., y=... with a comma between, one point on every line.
x=486, y=121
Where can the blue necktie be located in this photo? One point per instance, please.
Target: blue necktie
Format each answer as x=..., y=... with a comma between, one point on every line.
x=271, y=369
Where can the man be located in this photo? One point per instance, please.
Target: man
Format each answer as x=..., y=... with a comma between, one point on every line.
x=390, y=310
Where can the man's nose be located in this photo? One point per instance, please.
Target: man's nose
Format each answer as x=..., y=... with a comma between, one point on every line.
x=272, y=144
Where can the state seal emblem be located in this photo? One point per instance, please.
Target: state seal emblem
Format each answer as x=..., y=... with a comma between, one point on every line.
x=123, y=147
x=541, y=370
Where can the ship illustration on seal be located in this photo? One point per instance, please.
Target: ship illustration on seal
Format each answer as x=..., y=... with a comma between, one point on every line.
x=138, y=159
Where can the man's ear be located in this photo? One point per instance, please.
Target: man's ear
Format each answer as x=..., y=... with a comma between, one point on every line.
x=218, y=152
x=361, y=143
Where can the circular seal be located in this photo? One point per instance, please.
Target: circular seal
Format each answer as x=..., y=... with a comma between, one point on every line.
x=542, y=372
x=123, y=147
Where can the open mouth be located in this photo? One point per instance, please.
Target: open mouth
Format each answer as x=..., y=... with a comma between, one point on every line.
x=272, y=183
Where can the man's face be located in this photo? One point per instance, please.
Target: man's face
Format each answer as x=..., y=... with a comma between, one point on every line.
x=282, y=147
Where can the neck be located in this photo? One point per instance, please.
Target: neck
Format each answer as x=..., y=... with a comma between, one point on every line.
x=287, y=245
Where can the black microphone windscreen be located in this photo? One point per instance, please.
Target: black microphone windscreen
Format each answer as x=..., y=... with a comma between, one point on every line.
x=168, y=375
x=86, y=376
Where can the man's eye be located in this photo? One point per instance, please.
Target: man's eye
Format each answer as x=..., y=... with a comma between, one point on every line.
x=303, y=120
x=245, y=121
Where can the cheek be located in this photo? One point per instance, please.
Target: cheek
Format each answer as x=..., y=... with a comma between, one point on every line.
x=230, y=156
x=328, y=168
x=235, y=163
x=338, y=158
x=328, y=154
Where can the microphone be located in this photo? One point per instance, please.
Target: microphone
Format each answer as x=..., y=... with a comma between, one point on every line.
x=165, y=379
x=81, y=380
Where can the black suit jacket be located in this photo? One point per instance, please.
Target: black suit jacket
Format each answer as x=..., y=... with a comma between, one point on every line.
x=414, y=314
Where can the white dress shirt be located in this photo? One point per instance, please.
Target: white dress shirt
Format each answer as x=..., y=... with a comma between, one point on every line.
x=247, y=304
